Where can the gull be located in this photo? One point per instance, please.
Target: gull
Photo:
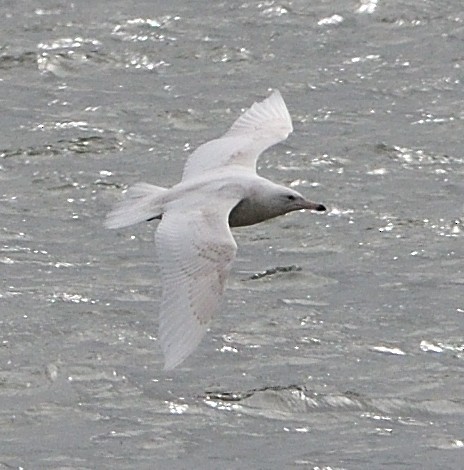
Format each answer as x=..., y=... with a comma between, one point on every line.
x=195, y=247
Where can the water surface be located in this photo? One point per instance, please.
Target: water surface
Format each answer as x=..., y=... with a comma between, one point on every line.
x=349, y=358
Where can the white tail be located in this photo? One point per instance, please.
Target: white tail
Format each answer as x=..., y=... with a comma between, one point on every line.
x=141, y=202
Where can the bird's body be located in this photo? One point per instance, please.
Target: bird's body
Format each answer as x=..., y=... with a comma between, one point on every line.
x=219, y=189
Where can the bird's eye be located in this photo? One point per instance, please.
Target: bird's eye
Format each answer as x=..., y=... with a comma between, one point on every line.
x=291, y=197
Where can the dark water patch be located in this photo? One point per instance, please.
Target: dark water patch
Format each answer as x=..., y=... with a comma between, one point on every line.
x=79, y=145
x=276, y=270
x=20, y=60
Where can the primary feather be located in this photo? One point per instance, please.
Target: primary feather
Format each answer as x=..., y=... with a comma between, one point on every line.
x=195, y=250
x=261, y=126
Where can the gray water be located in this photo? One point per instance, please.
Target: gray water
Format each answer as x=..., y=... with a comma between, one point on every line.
x=352, y=356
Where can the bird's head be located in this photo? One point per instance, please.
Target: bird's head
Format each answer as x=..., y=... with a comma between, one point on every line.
x=271, y=200
x=289, y=200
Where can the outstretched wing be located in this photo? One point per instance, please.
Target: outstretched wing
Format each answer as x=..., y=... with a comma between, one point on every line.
x=261, y=126
x=195, y=250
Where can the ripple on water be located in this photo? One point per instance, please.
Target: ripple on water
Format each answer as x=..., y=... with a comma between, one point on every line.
x=147, y=29
x=456, y=348
x=298, y=403
x=389, y=350
x=418, y=158
x=91, y=144
x=63, y=56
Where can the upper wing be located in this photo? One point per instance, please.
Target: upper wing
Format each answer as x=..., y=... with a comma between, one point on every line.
x=195, y=250
x=261, y=126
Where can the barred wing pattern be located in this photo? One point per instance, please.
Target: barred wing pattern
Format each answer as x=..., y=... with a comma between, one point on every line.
x=195, y=251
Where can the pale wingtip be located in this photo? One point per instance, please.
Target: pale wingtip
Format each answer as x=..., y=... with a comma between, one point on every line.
x=281, y=109
x=172, y=363
x=276, y=92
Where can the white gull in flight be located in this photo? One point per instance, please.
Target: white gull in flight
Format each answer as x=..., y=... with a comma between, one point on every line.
x=195, y=247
